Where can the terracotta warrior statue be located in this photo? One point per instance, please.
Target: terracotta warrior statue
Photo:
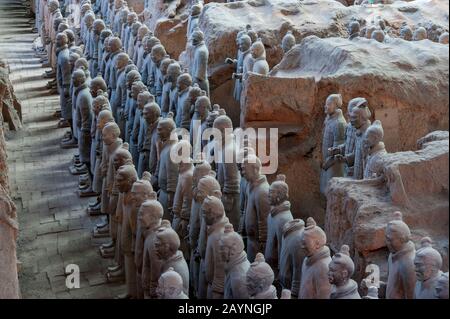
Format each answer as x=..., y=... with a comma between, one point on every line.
x=346, y=151
x=183, y=200
x=201, y=170
x=111, y=143
x=258, y=206
x=143, y=98
x=236, y=264
x=354, y=30
x=126, y=212
x=287, y=42
x=375, y=150
x=83, y=104
x=148, y=151
x=136, y=88
x=340, y=271
x=132, y=77
x=147, y=66
x=291, y=257
x=149, y=217
x=169, y=93
x=182, y=103
x=122, y=202
x=214, y=217
x=280, y=214
x=195, y=12
x=126, y=29
x=170, y=285
x=333, y=136
x=420, y=34
x=441, y=290
x=162, y=77
x=401, y=270
x=428, y=263
x=167, y=244
x=199, y=69
x=155, y=77
x=259, y=279
x=132, y=38
x=360, y=119
x=258, y=52
x=167, y=170
x=63, y=76
x=120, y=94
x=97, y=28
x=406, y=33
x=314, y=282
x=244, y=43
x=228, y=171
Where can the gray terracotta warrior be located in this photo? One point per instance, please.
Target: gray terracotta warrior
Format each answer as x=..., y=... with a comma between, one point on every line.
x=149, y=217
x=142, y=99
x=103, y=50
x=441, y=289
x=258, y=206
x=121, y=87
x=353, y=29
x=133, y=77
x=213, y=214
x=63, y=76
x=169, y=90
x=83, y=105
x=167, y=170
x=167, y=244
x=162, y=77
x=132, y=39
x=155, y=77
x=258, y=52
x=126, y=212
x=291, y=257
x=148, y=152
x=333, y=136
x=401, y=270
x=139, y=47
x=340, y=271
x=260, y=278
x=183, y=103
x=182, y=201
x=122, y=202
x=375, y=150
x=111, y=72
x=147, y=65
x=428, y=263
x=236, y=264
x=244, y=42
x=97, y=28
x=136, y=88
x=125, y=35
x=111, y=143
x=314, y=282
x=288, y=42
x=100, y=104
x=346, y=150
x=140, y=191
x=170, y=285
x=194, y=16
x=199, y=69
x=228, y=171
x=200, y=170
x=360, y=119
x=280, y=214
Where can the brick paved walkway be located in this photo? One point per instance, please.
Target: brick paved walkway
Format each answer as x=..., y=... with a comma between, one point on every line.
x=54, y=228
